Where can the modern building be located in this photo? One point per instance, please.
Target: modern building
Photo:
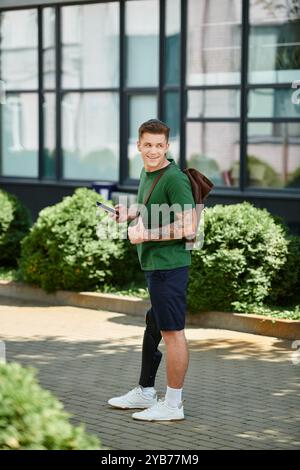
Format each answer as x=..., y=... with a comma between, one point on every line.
x=78, y=78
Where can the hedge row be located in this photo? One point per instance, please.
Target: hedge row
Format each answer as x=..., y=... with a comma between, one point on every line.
x=248, y=256
x=14, y=225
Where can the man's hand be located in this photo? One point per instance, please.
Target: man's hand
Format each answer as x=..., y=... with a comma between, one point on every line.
x=123, y=214
x=187, y=221
x=137, y=232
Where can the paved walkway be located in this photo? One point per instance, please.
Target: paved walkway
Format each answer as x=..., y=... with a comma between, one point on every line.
x=241, y=391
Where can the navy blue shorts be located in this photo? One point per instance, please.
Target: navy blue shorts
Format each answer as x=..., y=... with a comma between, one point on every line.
x=167, y=289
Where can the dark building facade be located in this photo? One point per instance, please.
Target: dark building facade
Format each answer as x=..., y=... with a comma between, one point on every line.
x=78, y=78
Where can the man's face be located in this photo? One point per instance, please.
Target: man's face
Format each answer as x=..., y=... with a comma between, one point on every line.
x=153, y=148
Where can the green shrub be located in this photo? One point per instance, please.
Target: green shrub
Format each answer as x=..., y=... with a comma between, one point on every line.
x=294, y=179
x=285, y=287
x=32, y=418
x=243, y=251
x=14, y=225
x=63, y=250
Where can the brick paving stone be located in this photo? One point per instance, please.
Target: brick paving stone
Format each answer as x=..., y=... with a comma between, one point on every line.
x=241, y=390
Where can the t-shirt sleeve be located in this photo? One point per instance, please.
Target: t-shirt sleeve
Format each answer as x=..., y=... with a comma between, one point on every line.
x=179, y=192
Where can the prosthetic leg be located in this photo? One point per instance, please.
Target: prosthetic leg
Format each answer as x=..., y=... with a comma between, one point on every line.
x=151, y=356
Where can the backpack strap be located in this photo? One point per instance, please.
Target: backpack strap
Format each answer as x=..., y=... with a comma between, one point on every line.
x=154, y=184
x=160, y=174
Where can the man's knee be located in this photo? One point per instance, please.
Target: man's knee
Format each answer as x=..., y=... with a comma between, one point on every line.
x=172, y=335
x=151, y=323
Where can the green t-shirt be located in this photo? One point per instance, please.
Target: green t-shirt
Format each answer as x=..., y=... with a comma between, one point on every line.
x=172, y=188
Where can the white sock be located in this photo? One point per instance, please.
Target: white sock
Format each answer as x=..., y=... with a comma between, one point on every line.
x=148, y=392
x=173, y=396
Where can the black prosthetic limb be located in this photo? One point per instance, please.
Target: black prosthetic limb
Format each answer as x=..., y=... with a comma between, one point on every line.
x=151, y=356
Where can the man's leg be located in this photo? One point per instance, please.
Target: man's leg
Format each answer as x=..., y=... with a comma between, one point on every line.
x=177, y=363
x=167, y=290
x=151, y=356
x=144, y=396
x=177, y=357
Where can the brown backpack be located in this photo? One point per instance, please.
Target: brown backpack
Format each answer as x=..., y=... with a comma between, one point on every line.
x=200, y=184
x=201, y=187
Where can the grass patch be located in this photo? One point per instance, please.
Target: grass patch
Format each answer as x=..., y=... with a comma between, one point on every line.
x=131, y=290
x=9, y=274
x=287, y=313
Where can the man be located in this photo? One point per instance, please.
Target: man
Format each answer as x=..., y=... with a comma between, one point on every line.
x=164, y=259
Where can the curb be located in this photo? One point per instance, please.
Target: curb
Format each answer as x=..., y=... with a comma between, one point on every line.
x=248, y=323
x=95, y=300
x=245, y=323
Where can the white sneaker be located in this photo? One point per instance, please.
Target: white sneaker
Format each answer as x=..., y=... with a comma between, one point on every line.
x=133, y=399
x=161, y=411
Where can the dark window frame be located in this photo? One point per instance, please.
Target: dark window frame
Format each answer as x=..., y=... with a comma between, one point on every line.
x=126, y=183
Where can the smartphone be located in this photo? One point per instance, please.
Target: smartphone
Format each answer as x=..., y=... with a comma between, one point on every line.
x=106, y=208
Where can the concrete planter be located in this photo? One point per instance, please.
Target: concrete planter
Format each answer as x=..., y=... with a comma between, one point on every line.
x=247, y=323
x=109, y=302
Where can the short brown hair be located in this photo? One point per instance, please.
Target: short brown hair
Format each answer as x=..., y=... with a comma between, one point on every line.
x=154, y=126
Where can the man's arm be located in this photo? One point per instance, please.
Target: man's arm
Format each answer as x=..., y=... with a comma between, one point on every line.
x=184, y=226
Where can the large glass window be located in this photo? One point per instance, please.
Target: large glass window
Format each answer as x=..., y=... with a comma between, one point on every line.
x=49, y=48
x=83, y=97
x=19, y=43
x=272, y=103
x=49, y=97
x=213, y=148
x=19, y=114
x=19, y=139
x=274, y=42
x=273, y=151
x=141, y=108
x=213, y=103
x=49, y=151
x=214, y=42
x=142, y=42
x=90, y=45
x=214, y=62
x=172, y=118
x=171, y=105
x=90, y=120
x=273, y=154
x=90, y=135
x=172, y=54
